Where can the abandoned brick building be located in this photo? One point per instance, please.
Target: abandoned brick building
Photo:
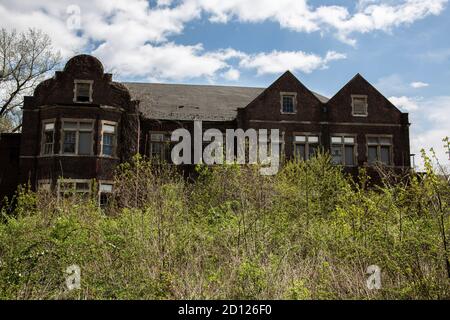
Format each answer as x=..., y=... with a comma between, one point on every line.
x=80, y=124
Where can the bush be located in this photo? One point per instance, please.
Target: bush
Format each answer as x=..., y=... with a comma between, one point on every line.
x=308, y=233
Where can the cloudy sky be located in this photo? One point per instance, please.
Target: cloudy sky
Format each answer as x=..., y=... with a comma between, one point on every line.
x=400, y=46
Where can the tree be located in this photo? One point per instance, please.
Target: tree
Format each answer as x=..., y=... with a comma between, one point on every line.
x=25, y=59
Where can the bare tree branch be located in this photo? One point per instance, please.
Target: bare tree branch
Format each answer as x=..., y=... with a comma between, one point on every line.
x=25, y=59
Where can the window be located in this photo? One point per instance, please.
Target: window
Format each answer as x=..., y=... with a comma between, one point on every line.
x=160, y=146
x=105, y=192
x=288, y=102
x=44, y=185
x=83, y=91
x=305, y=146
x=343, y=150
x=48, y=138
x=77, y=137
x=359, y=106
x=379, y=149
x=69, y=188
x=109, y=139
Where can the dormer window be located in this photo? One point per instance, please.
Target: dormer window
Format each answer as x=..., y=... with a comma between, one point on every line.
x=83, y=91
x=359, y=106
x=288, y=102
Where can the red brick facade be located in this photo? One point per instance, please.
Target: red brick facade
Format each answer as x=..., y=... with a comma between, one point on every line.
x=54, y=102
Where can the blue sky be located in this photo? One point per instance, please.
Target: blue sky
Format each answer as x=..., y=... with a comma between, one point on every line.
x=401, y=46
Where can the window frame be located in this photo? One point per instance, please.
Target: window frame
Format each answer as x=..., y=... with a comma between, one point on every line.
x=379, y=145
x=102, y=132
x=366, y=107
x=290, y=94
x=75, y=90
x=307, y=135
x=100, y=192
x=166, y=141
x=343, y=144
x=77, y=137
x=44, y=182
x=74, y=190
x=43, y=131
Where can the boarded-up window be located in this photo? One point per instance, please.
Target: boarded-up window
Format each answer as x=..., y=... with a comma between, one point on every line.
x=359, y=105
x=83, y=91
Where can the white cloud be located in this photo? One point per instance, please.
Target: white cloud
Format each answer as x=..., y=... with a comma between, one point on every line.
x=168, y=61
x=232, y=75
x=419, y=84
x=132, y=38
x=404, y=103
x=393, y=84
x=280, y=61
x=429, y=125
x=300, y=15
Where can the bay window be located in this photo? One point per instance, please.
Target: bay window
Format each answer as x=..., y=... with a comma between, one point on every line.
x=109, y=139
x=77, y=137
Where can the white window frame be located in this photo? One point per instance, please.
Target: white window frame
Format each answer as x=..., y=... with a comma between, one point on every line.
x=74, y=182
x=343, y=144
x=45, y=185
x=114, y=124
x=359, y=96
x=290, y=94
x=379, y=145
x=44, y=123
x=75, y=89
x=101, y=191
x=77, y=136
x=307, y=143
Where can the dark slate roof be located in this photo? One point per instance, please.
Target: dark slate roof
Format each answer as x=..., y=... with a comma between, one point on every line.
x=193, y=102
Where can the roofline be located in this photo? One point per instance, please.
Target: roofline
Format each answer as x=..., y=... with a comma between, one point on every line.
x=192, y=85
x=378, y=91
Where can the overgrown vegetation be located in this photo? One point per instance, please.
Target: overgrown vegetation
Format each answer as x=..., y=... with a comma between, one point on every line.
x=308, y=233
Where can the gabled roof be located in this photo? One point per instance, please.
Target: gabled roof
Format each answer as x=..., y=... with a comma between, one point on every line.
x=359, y=77
x=193, y=102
